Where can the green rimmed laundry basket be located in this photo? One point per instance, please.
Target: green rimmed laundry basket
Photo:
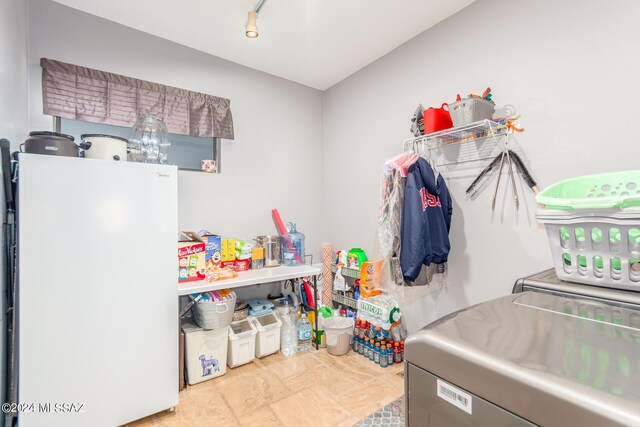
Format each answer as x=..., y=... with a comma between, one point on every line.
x=593, y=226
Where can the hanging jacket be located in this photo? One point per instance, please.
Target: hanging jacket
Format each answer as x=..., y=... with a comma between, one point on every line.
x=426, y=220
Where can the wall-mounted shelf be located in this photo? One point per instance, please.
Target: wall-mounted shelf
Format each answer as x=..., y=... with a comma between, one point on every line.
x=470, y=143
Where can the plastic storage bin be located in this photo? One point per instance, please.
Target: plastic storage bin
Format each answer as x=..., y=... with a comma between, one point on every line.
x=593, y=226
x=268, y=338
x=339, y=331
x=597, y=247
x=205, y=352
x=471, y=110
x=242, y=343
x=214, y=314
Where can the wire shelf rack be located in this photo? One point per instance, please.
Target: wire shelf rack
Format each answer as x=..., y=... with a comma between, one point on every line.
x=470, y=143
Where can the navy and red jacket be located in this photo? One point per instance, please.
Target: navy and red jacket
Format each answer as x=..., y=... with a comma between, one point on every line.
x=426, y=220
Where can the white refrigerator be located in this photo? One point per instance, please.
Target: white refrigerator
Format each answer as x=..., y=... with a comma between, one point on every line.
x=97, y=293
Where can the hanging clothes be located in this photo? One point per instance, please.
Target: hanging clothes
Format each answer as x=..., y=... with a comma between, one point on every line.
x=426, y=220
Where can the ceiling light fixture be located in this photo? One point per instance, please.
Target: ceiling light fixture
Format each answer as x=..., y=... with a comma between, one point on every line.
x=251, y=28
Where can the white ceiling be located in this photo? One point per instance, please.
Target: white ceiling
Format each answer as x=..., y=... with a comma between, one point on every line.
x=313, y=42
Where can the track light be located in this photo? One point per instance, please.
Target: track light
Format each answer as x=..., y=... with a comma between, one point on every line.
x=251, y=28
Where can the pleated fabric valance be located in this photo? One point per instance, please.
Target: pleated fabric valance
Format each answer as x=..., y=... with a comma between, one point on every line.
x=82, y=93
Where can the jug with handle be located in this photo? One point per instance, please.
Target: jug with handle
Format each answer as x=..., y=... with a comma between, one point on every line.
x=436, y=119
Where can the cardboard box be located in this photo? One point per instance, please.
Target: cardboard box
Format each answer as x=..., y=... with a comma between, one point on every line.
x=213, y=248
x=242, y=265
x=228, y=251
x=228, y=264
x=191, y=252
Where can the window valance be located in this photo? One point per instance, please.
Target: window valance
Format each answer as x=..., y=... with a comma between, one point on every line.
x=82, y=93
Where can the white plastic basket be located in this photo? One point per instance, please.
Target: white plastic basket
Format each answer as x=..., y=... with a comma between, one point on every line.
x=214, y=315
x=598, y=247
x=471, y=110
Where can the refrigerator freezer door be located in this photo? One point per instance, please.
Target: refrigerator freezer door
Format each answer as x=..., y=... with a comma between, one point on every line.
x=98, y=315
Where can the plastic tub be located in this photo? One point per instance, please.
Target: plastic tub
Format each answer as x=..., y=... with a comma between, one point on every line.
x=268, y=338
x=242, y=343
x=338, y=331
x=205, y=352
x=602, y=191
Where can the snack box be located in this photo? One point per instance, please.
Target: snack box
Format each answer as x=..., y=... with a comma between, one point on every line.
x=228, y=249
x=190, y=261
x=242, y=265
x=213, y=248
x=228, y=264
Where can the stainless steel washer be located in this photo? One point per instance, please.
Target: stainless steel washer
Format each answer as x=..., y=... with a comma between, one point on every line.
x=551, y=354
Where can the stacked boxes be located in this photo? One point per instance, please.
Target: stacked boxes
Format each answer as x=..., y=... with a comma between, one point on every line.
x=228, y=250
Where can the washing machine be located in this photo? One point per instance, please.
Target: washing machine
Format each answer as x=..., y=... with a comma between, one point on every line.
x=552, y=354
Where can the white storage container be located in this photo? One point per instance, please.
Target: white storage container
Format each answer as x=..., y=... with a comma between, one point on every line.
x=268, y=338
x=205, y=352
x=242, y=343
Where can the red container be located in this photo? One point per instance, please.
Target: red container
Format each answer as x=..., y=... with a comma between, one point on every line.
x=436, y=119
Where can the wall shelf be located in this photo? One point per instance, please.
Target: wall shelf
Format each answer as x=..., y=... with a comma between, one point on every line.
x=470, y=143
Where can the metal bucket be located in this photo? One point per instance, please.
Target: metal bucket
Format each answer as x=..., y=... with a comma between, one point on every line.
x=272, y=249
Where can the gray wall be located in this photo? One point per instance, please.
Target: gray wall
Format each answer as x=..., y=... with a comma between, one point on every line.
x=276, y=159
x=571, y=68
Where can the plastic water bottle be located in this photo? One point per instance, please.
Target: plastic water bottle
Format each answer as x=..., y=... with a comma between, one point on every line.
x=288, y=338
x=304, y=333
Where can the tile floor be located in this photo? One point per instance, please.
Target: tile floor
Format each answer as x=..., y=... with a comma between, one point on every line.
x=313, y=388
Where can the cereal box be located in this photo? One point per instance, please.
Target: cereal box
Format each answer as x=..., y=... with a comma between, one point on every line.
x=213, y=247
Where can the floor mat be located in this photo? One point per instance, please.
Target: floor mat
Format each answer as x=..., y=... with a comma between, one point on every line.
x=391, y=415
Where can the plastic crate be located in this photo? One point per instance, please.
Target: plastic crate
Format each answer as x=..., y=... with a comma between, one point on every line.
x=471, y=110
x=598, y=247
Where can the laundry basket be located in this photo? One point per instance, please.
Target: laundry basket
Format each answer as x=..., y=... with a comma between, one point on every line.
x=338, y=331
x=593, y=226
x=471, y=110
